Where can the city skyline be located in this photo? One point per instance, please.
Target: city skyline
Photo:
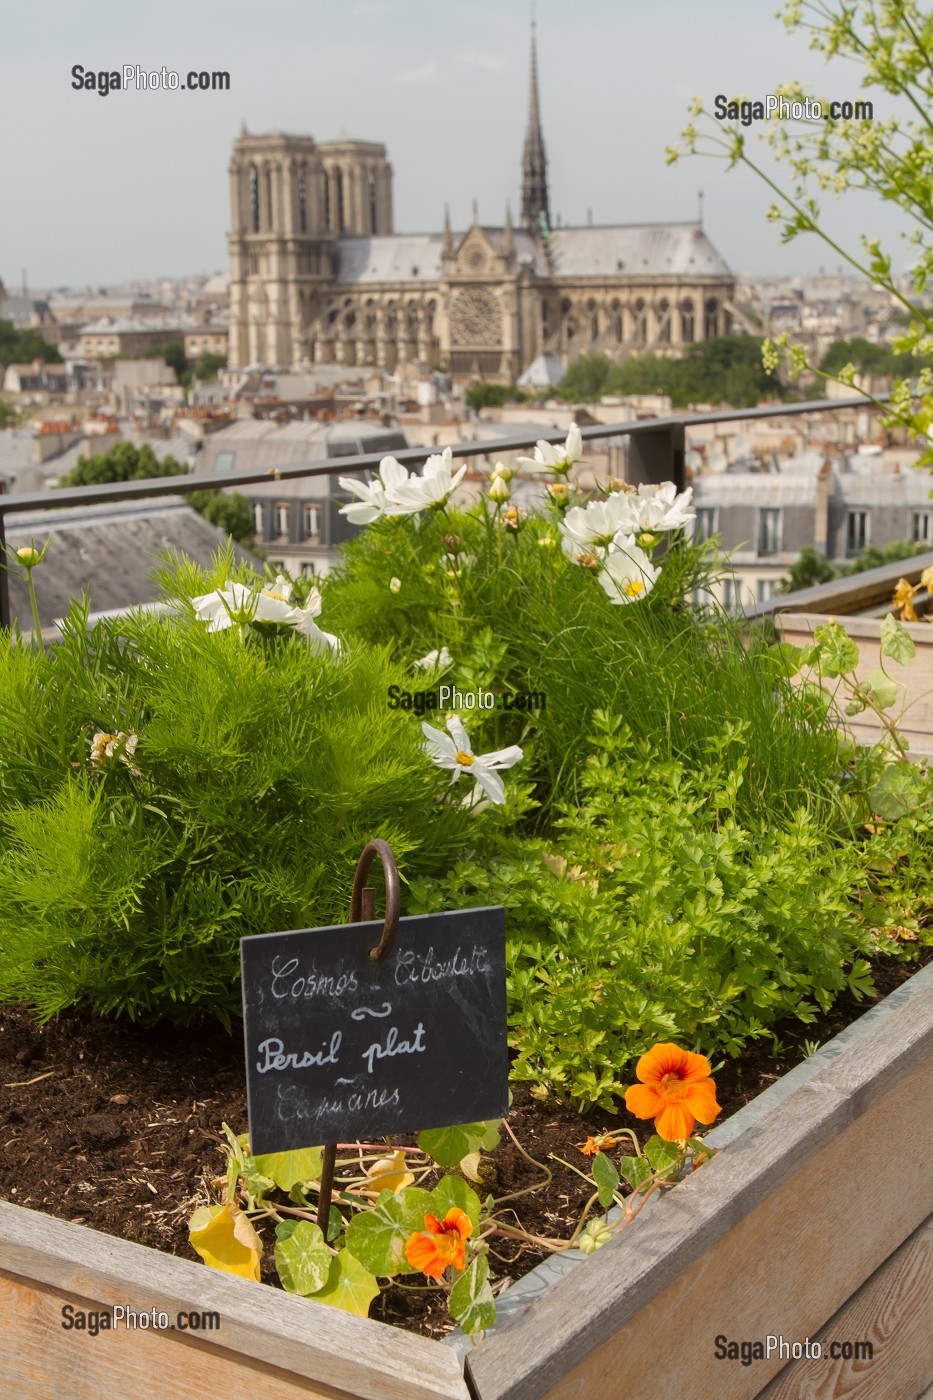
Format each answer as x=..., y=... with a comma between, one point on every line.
x=134, y=185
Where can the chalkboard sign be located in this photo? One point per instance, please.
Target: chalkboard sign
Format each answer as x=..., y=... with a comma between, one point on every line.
x=340, y=1047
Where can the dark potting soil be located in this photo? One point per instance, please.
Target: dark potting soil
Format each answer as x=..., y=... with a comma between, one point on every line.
x=117, y=1127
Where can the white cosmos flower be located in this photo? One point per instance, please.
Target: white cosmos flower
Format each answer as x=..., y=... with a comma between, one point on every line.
x=596, y=525
x=433, y=488
x=452, y=750
x=556, y=459
x=302, y=619
x=627, y=573
x=661, y=508
x=435, y=660
x=235, y=605
x=375, y=497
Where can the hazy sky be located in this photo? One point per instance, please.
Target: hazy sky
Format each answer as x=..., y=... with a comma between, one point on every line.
x=96, y=190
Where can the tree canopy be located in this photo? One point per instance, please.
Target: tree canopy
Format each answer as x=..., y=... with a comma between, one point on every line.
x=127, y=462
x=727, y=369
x=22, y=347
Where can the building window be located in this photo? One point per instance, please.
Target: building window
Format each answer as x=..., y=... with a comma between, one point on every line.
x=687, y=330
x=769, y=531
x=767, y=589
x=664, y=322
x=302, y=202
x=270, y=219
x=312, y=514
x=307, y=569
x=371, y=182
x=711, y=320
x=282, y=510
x=922, y=531
x=259, y=524
x=856, y=531
x=731, y=595
x=254, y=198
x=223, y=462
x=706, y=524
x=338, y=189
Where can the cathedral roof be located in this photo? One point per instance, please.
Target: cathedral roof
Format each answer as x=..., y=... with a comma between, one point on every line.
x=636, y=250
x=402, y=257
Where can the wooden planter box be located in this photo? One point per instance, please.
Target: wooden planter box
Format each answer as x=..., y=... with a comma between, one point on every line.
x=816, y=1223
x=916, y=677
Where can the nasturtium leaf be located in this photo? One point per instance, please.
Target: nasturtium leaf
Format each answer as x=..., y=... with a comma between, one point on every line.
x=287, y=1168
x=896, y=641
x=469, y=1165
x=493, y=1127
x=661, y=1154
x=471, y=1300
x=635, y=1170
x=448, y=1146
x=285, y=1228
x=897, y=792
x=226, y=1240
x=838, y=654
x=453, y=1191
x=784, y=658
x=349, y=1286
x=377, y=1237
x=303, y=1260
x=883, y=689
x=606, y=1178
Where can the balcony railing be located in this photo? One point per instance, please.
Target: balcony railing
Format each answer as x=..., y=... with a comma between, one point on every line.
x=656, y=453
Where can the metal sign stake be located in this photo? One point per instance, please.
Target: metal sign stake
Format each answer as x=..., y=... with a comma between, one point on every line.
x=363, y=910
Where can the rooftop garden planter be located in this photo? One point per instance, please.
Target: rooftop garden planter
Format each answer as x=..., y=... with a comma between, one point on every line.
x=813, y=1224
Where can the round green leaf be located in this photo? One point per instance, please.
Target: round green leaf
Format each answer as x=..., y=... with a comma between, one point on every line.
x=471, y=1300
x=303, y=1260
x=453, y=1191
x=349, y=1286
x=377, y=1237
x=448, y=1146
x=287, y=1168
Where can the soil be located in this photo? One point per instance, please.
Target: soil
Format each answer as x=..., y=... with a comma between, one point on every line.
x=118, y=1127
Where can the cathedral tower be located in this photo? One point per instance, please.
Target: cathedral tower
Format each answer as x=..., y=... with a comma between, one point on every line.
x=534, y=161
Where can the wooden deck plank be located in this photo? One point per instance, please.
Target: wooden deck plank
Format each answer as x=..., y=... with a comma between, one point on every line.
x=317, y=1343
x=788, y=1192
x=894, y=1311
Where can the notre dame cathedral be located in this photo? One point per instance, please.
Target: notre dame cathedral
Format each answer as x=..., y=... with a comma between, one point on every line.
x=318, y=275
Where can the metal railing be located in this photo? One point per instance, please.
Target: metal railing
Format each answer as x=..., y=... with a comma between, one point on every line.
x=656, y=454
x=868, y=593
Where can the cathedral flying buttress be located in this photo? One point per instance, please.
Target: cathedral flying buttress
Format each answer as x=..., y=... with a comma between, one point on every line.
x=318, y=276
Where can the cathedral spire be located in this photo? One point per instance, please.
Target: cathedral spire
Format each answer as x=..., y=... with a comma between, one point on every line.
x=534, y=161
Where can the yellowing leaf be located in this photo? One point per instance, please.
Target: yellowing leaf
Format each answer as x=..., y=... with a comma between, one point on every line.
x=288, y=1168
x=226, y=1240
x=388, y=1174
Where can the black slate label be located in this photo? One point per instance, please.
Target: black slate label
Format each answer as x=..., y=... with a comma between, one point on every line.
x=341, y=1048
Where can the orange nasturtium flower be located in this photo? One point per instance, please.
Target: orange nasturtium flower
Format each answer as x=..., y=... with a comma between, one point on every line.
x=602, y=1142
x=675, y=1090
x=443, y=1244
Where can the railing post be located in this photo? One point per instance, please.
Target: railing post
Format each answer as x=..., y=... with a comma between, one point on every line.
x=656, y=455
x=5, y=619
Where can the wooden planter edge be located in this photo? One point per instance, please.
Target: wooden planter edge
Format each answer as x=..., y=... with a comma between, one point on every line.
x=562, y=1326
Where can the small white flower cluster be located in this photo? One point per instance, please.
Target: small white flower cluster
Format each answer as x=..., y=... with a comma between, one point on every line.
x=615, y=534
x=395, y=491
x=238, y=605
